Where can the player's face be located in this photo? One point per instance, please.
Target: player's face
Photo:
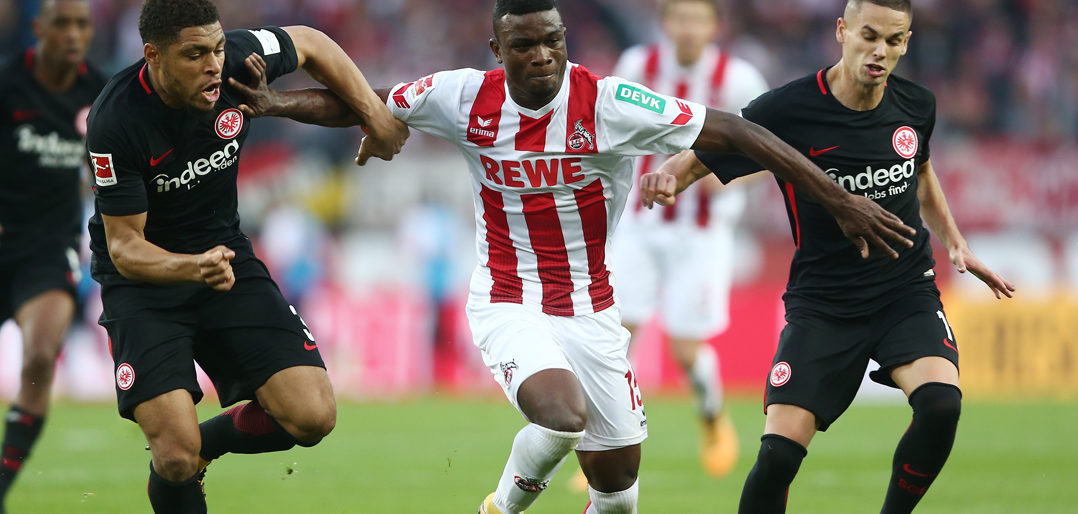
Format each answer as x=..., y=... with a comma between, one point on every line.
x=873, y=38
x=63, y=30
x=532, y=49
x=690, y=25
x=191, y=67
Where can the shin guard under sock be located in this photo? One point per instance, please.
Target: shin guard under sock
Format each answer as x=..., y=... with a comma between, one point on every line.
x=923, y=450
x=168, y=497
x=242, y=429
x=769, y=481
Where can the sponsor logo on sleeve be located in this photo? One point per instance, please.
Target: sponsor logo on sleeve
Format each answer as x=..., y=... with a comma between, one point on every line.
x=270, y=44
x=685, y=116
x=640, y=98
x=104, y=173
x=229, y=123
x=905, y=142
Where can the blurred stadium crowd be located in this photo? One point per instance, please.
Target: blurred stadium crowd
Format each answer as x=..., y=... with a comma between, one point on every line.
x=389, y=248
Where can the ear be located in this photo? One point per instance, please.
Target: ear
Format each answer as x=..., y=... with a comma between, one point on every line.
x=840, y=31
x=36, y=26
x=152, y=55
x=496, y=49
x=906, y=45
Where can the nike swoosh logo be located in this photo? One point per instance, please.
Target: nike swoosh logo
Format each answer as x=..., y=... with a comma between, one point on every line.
x=155, y=162
x=949, y=345
x=814, y=152
x=308, y=346
x=906, y=468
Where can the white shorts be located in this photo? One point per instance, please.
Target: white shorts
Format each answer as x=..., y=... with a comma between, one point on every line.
x=684, y=273
x=519, y=341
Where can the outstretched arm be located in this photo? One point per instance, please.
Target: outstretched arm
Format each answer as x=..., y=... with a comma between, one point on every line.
x=937, y=216
x=862, y=221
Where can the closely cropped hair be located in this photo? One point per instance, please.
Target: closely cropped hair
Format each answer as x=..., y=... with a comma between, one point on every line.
x=518, y=7
x=905, y=6
x=160, y=21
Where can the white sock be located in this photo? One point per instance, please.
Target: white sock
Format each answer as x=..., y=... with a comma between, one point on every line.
x=706, y=381
x=621, y=502
x=537, y=454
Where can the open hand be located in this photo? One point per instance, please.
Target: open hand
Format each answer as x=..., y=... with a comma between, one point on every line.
x=870, y=226
x=260, y=98
x=964, y=260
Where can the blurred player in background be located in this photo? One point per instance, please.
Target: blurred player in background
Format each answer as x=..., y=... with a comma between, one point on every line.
x=678, y=260
x=179, y=281
x=870, y=130
x=45, y=95
x=549, y=147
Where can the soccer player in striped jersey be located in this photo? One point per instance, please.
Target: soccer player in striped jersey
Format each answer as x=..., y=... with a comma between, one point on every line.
x=870, y=129
x=681, y=256
x=550, y=147
x=45, y=95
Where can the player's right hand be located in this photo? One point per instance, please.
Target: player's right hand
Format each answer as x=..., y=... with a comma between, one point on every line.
x=382, y=141
x=870, y=226
x=215, y=267
x=658, y=187
x=259, y=99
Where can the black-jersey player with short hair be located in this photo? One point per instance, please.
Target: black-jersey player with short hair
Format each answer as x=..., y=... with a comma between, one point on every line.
x=45, y=95
x=869, y=130
x=180, y=281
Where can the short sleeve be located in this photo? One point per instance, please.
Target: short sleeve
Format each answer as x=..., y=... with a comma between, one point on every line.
x=272, y=43
x=634, y=120
x=430, y=104
x=930, y=125
x=728, y=167
x=118, y=186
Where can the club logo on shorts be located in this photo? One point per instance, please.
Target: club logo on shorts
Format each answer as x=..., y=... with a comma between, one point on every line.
x=104, y=174
x=780, y=374
x=530, y=485
x=229, y=123
x=905, y=142
x=580, y=137
x=507, y=371
x=125, y=376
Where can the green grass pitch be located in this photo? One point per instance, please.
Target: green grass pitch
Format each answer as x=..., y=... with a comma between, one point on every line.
x=443, y=455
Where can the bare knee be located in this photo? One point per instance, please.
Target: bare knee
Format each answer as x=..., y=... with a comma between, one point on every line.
x=554, y=399
x=310, y=425
x=39, y=365
x=175, y=462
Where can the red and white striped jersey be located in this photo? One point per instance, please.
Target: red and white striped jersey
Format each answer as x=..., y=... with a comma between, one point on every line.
x=718, y=80
x=549, y=184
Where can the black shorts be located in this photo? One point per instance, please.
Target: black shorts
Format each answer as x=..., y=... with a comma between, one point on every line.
x=240, y=338
x=52, y=268
x=821, y=360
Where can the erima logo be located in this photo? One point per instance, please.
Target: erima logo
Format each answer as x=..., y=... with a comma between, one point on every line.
x=874, y=179
x=481, y=131
x=483, y=123
x=641, y=98
x=219, y=160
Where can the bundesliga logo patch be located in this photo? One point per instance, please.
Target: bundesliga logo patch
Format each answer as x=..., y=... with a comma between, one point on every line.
x=104, y=175
x=229, y=123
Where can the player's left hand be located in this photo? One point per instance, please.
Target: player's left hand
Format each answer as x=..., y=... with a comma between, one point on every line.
x=260, y=98
x=964, y=260
x=383, y=145
x=870, y=226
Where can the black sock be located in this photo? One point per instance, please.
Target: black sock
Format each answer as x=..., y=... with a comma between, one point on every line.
x=769, y=481
x=924, y=448
x=21, y=431
x=168, y=497
x=243, y=429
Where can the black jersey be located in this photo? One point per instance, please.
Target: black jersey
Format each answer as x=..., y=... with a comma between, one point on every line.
x=43, y=149
x=875, y=153
x=177, y=166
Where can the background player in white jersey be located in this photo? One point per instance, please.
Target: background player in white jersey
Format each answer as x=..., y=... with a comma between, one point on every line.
x=680, y=257
x=549, y=147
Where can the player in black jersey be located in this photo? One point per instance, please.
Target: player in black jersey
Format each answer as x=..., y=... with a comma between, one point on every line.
x=45, y=95
x=180, y=281
x=870, y=130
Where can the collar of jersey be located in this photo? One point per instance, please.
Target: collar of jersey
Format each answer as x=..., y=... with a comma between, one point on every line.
x=556, y=101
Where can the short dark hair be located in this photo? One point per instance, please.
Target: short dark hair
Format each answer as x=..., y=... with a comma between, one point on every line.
x=905, y=6
x=160, y=21
x=664, y=5
x=518, y=7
